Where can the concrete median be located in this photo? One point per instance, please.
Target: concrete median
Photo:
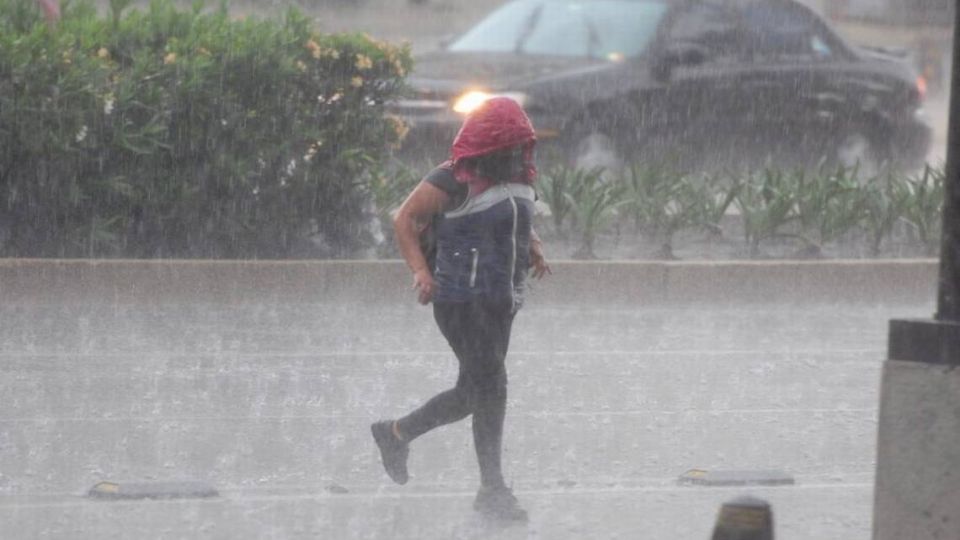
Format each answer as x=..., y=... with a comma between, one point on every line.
x=600, y=282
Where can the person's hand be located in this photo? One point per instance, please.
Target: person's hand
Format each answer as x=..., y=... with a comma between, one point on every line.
x=538, y=263
x=423, y=283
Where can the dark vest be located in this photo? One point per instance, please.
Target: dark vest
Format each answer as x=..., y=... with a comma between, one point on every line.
x=483, y=247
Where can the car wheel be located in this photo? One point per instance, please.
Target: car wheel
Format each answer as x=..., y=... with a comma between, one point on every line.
x=596, y=150
x=857, y=150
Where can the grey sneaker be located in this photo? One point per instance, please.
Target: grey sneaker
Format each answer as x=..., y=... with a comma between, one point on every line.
x=393, y=451
x=499, y=503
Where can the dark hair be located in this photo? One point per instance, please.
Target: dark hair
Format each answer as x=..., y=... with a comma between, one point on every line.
x=505, y=165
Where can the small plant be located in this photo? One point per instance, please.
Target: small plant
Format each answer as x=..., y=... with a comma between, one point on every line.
x=646, y=195
x=557, y=187
x=720, y=192
x=767, y=203
x=924, y=206
x=690, y=199
x=829, y=204
x=594, y=201
x=884, y=202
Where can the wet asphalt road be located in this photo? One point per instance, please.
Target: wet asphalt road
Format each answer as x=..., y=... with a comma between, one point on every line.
x=271, y=404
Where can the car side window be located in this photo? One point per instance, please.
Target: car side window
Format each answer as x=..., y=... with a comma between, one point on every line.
x=710, y=26
x=776, y=32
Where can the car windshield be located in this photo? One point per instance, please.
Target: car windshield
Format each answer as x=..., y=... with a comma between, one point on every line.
x=611, y=29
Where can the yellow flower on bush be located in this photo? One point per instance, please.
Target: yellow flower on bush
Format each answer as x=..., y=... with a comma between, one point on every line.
x=204, y=51
x=400, y=128
x=363, y=62
x=356, y=82
x=375, y=42
x=103, y=53
x=170, y=58
x=395, y=60
x=301, y=66
x=314, y=49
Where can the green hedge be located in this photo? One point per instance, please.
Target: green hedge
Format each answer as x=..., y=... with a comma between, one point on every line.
x=172, y=133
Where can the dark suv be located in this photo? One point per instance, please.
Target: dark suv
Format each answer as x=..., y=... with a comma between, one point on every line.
x=708, y=83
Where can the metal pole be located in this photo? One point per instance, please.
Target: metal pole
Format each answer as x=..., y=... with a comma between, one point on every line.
x=948, y=303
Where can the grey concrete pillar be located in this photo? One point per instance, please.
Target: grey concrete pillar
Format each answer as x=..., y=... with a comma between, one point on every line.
x=918, y=453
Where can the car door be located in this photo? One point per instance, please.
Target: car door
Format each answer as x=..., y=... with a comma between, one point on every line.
x=696, y=110
x=794, y=85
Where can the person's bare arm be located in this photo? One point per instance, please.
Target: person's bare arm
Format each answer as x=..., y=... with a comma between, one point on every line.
x=537, y=260
x=425, y=201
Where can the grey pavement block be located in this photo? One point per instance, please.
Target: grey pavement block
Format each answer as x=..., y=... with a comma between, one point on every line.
x=701, y=477
x=152, y=490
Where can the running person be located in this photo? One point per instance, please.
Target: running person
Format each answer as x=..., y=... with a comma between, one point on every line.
x=480, y=204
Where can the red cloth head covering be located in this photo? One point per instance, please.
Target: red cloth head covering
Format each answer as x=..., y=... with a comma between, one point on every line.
x=51, y=10
x=497, y=124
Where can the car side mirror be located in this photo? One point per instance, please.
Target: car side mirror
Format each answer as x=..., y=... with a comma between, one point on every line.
x=678, y=55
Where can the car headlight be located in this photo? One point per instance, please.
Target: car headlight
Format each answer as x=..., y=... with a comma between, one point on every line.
x=469, y=101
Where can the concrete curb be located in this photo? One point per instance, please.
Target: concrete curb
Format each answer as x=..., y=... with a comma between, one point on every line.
x=605, y=282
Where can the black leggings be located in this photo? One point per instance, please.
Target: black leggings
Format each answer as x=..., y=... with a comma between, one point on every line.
x=479, y=334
